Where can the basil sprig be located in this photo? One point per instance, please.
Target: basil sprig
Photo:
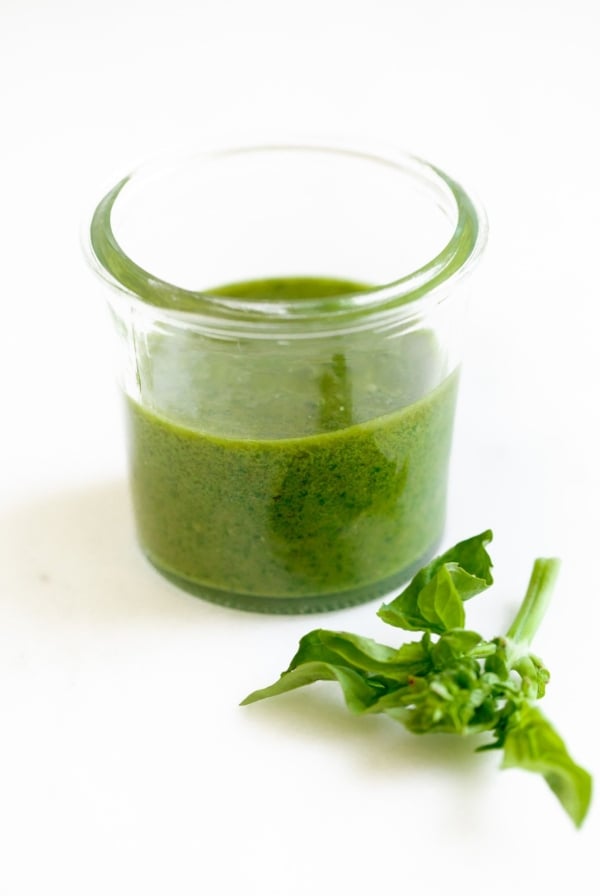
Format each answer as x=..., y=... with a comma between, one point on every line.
x=452, y=680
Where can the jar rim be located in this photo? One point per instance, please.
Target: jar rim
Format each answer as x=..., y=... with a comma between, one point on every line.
x=407, y=297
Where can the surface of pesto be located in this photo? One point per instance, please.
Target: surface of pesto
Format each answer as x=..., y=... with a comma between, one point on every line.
x=294, y=477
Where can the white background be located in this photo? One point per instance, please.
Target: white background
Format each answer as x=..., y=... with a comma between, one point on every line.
x=126, y=765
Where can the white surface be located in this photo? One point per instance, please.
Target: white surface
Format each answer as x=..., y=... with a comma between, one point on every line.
x=126, y=765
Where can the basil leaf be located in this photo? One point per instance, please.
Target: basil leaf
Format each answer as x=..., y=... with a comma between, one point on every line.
x=532, y=743
x=359, y=694
x=472, y=556
x=458, y=643
x=439, y=602
x=462, y=572
x=362, y=654
x=454, y=701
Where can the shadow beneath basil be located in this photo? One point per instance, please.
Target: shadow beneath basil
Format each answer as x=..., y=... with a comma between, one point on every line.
x=318, y=711
x=382, y=750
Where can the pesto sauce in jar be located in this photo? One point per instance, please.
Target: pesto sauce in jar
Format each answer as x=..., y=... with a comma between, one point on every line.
x=286, y=480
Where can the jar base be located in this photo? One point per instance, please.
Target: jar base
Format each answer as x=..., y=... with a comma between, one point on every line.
x=297, y=606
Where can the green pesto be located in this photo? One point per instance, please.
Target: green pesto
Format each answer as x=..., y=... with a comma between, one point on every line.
x=292, y=482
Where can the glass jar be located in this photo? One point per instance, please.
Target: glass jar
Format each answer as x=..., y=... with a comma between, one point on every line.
x=289, y=320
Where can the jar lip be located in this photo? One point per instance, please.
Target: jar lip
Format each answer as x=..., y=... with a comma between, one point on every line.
x=406, y=297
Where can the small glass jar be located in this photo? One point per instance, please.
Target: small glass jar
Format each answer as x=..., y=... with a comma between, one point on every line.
x=289, y=320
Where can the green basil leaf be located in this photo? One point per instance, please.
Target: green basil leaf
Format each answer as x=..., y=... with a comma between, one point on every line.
x=359, y=694
x=455, y=644
x=362, y=654
x=532, y=743
x=472, y=556
x=439, y=602
x=467, y=565
x=434, y=705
